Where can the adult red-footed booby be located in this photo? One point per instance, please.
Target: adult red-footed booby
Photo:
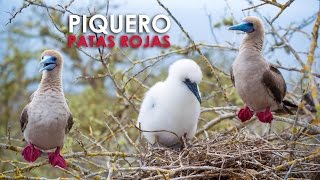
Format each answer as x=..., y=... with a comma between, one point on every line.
x=259, y=84
x=170, y=109
x=47, y=118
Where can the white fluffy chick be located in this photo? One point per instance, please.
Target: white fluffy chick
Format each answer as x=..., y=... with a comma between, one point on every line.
x=170, y=109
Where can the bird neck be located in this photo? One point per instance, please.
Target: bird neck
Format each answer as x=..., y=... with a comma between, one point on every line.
x=51, y=79
x=253, y=41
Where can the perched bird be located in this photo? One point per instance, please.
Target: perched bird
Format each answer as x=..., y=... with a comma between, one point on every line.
x=260, y=85
x=47, y=118
x=170, y=109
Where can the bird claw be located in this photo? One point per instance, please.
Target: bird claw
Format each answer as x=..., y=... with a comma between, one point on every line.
x=245, y=114
x=266, y=116
x=31, y=153
x=55, y=159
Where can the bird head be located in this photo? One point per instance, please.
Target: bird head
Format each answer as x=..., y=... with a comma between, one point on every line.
x=249, y=24
x=189, y=73
x=50, y=60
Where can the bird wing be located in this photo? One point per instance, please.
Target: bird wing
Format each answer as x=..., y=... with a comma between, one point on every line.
x=274, y=83
x=69, y=123
x=232, y=76
x=24, y=118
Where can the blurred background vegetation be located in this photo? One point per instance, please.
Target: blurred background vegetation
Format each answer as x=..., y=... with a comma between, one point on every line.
x=104, y=99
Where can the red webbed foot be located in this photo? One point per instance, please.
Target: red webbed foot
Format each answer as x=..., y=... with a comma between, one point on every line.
x=245, y=114
x=55, y=159
x=266, y=116
x=31, y=153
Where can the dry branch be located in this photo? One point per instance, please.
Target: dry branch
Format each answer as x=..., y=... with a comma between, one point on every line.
x=213, y=68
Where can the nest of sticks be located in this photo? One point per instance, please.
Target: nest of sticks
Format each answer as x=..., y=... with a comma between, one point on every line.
x=231, y=156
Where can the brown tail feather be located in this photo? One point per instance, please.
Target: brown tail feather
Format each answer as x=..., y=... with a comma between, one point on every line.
x=287, y=110
x=290, y=104
x=286, y=103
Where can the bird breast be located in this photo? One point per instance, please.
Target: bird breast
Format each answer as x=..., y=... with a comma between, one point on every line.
x=248, y=82
x=47, y=118
x=173, y=108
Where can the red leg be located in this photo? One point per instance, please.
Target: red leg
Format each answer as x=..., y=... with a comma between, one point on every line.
x=266, y=116
x=55, y=159
x=245, y=114
x=31, y=153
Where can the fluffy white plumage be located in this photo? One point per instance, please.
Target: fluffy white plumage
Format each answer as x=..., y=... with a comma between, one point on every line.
x=171, y=105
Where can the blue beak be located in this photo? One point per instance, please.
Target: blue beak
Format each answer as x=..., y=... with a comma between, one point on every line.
x=193, y=87
x=243, y=26
x=48, y=63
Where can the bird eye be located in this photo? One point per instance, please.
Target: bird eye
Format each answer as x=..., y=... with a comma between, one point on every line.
x=250, y=24
x=186, y=80
x=42, y=57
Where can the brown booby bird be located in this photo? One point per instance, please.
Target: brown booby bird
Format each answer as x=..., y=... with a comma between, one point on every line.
x=47, y=118
x=260, y=85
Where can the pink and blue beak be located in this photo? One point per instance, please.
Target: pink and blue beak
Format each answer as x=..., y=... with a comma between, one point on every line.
x=48, y=63
x=243, y=26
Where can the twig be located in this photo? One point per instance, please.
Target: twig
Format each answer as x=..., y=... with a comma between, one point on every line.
x=213, y=69
x=17, y=12
x=314, y=155
x=253, y=7
x=286, y=43
x=299, y=123
x=308, y=67
x=41, y=4
x=215, y=121
x=283, y=7
x=302, y=70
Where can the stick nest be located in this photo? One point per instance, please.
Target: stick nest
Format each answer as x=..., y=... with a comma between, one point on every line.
x=232, y=156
